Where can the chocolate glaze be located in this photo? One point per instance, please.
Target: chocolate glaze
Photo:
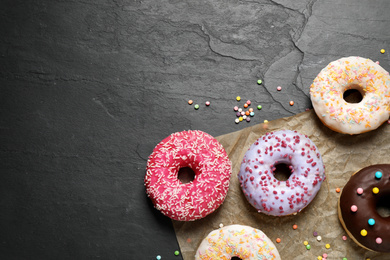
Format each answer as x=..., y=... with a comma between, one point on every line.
x=366, y=203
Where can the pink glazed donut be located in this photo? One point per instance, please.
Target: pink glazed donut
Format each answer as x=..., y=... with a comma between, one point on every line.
x=280, y=198
x=194, y=200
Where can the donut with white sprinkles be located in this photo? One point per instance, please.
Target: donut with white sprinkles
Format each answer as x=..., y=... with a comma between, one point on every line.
x=208, y=160
x=277, y=197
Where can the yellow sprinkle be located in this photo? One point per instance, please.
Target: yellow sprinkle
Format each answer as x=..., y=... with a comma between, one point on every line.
x=363, y=232
x=382, y=51
x=327, y=246
x=305, y=243
x=240, y=118
x=319, y=257
x=265, y=121
x=238, y=98
x=375, y=190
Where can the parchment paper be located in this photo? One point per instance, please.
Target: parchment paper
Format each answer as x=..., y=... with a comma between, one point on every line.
x=342, y=155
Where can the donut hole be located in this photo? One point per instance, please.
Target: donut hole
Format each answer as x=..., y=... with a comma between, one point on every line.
x=353, y=94
x=282, y=171
x=235, y=258
x=186, y=175
x=383, y=206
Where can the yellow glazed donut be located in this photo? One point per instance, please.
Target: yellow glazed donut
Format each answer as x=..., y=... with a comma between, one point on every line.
x=352, y=73
x=237, y=241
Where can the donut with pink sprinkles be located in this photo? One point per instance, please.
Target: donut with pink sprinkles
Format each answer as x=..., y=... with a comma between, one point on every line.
x=257, y=173
x=202, y=154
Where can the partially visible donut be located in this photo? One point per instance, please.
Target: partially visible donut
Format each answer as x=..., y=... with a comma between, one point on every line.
x=239, y=241
x=194, y=200
x=365, y=190
x=266, y=193
x=352, y=73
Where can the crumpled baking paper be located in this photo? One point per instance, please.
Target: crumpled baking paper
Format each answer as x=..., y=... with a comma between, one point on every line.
x=342, y=155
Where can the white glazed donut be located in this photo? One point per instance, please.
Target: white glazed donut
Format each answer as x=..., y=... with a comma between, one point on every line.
x=363, y=75
x=237, y=241
x=266, y=193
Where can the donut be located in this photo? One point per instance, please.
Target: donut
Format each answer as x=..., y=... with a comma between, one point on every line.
x=270, y=195
x=352, y=74
x=202, y=154
x=366, y=190
x=239, y=241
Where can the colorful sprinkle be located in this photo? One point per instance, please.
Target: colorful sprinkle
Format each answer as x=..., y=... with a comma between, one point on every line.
x=295, y=226
x=248, y=102
x=359, y=191
x=363, y=232
x=250, y=109
x=324, y=255
x=378, y=175
x=383, y=51
x=196, y=106
x=252, y=113
x=207, y=103
x=278, y=240
x=305, y=243
x=190, y=102
x=240, y=118
x=378, y=240
x=327, y=246
x=240, y=110
x=344, y=238
x=158, y=257
x=247, y=113
x=237, y=120
x=259, y=81
x=248, y=119
x=235, y=108
x=344, y=258
x=291, y=103
x=245, y=105
x=354, y=208
x=238, y=98
x=177, y=253
x=371, y=222
x=308, y=247
x=279, y=88
x=259, y=107
x=375, y=190
x=315, y=233
x=319, y=257
x=265, y=121
x=338, y=190
x=319, y=238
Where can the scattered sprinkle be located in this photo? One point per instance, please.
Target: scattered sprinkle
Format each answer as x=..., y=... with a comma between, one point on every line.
x=377, y=62
x=375, y=190
x=305, y=243
x=327, y=246
x=279, y=88
x=359, y=191
x=259, y=107
x=245, y=105
x=295, y=226
x=250, y=109
x=278, y=240
x=308, y=247
x=158, y=257
x=259, y=81
x=383, y=51
x=240, y=118
x=177, y=253
x=207, y=103
x=344, y=258
x=252, y=113
x=378, y=240
x=248, y=102
x=189, y=240
x=221, y=225
x=238, y=98
x=354, y=208
x=371, y=222
x=319, y=238
x=265, y=121
x=190, y=102
x=315, y=234
x=196, y=106
x=363, y=232
x=248, y=119
x=291, y=103
x=237, y=120
x=235, y=108
x=378, y=175
x=344, y=238
x=240, y=110
x=324, y=255
x=319, y=257
x=338, y=190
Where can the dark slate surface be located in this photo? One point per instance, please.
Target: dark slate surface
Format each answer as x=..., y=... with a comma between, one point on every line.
x=88, y=88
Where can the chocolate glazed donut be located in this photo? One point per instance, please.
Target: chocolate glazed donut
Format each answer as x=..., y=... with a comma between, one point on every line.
x=365, y=191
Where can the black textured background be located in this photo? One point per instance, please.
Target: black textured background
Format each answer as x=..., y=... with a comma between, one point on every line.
x=88, y=88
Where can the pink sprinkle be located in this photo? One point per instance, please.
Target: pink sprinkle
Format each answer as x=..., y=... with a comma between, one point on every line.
x=207, y=103
x=279, y=88
x=344, y=238
x=377, y=62
x=235, y=108
x=378, y=240
x=354, y=208
x=324, y=255
x=359, y=191
x=248, y=102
